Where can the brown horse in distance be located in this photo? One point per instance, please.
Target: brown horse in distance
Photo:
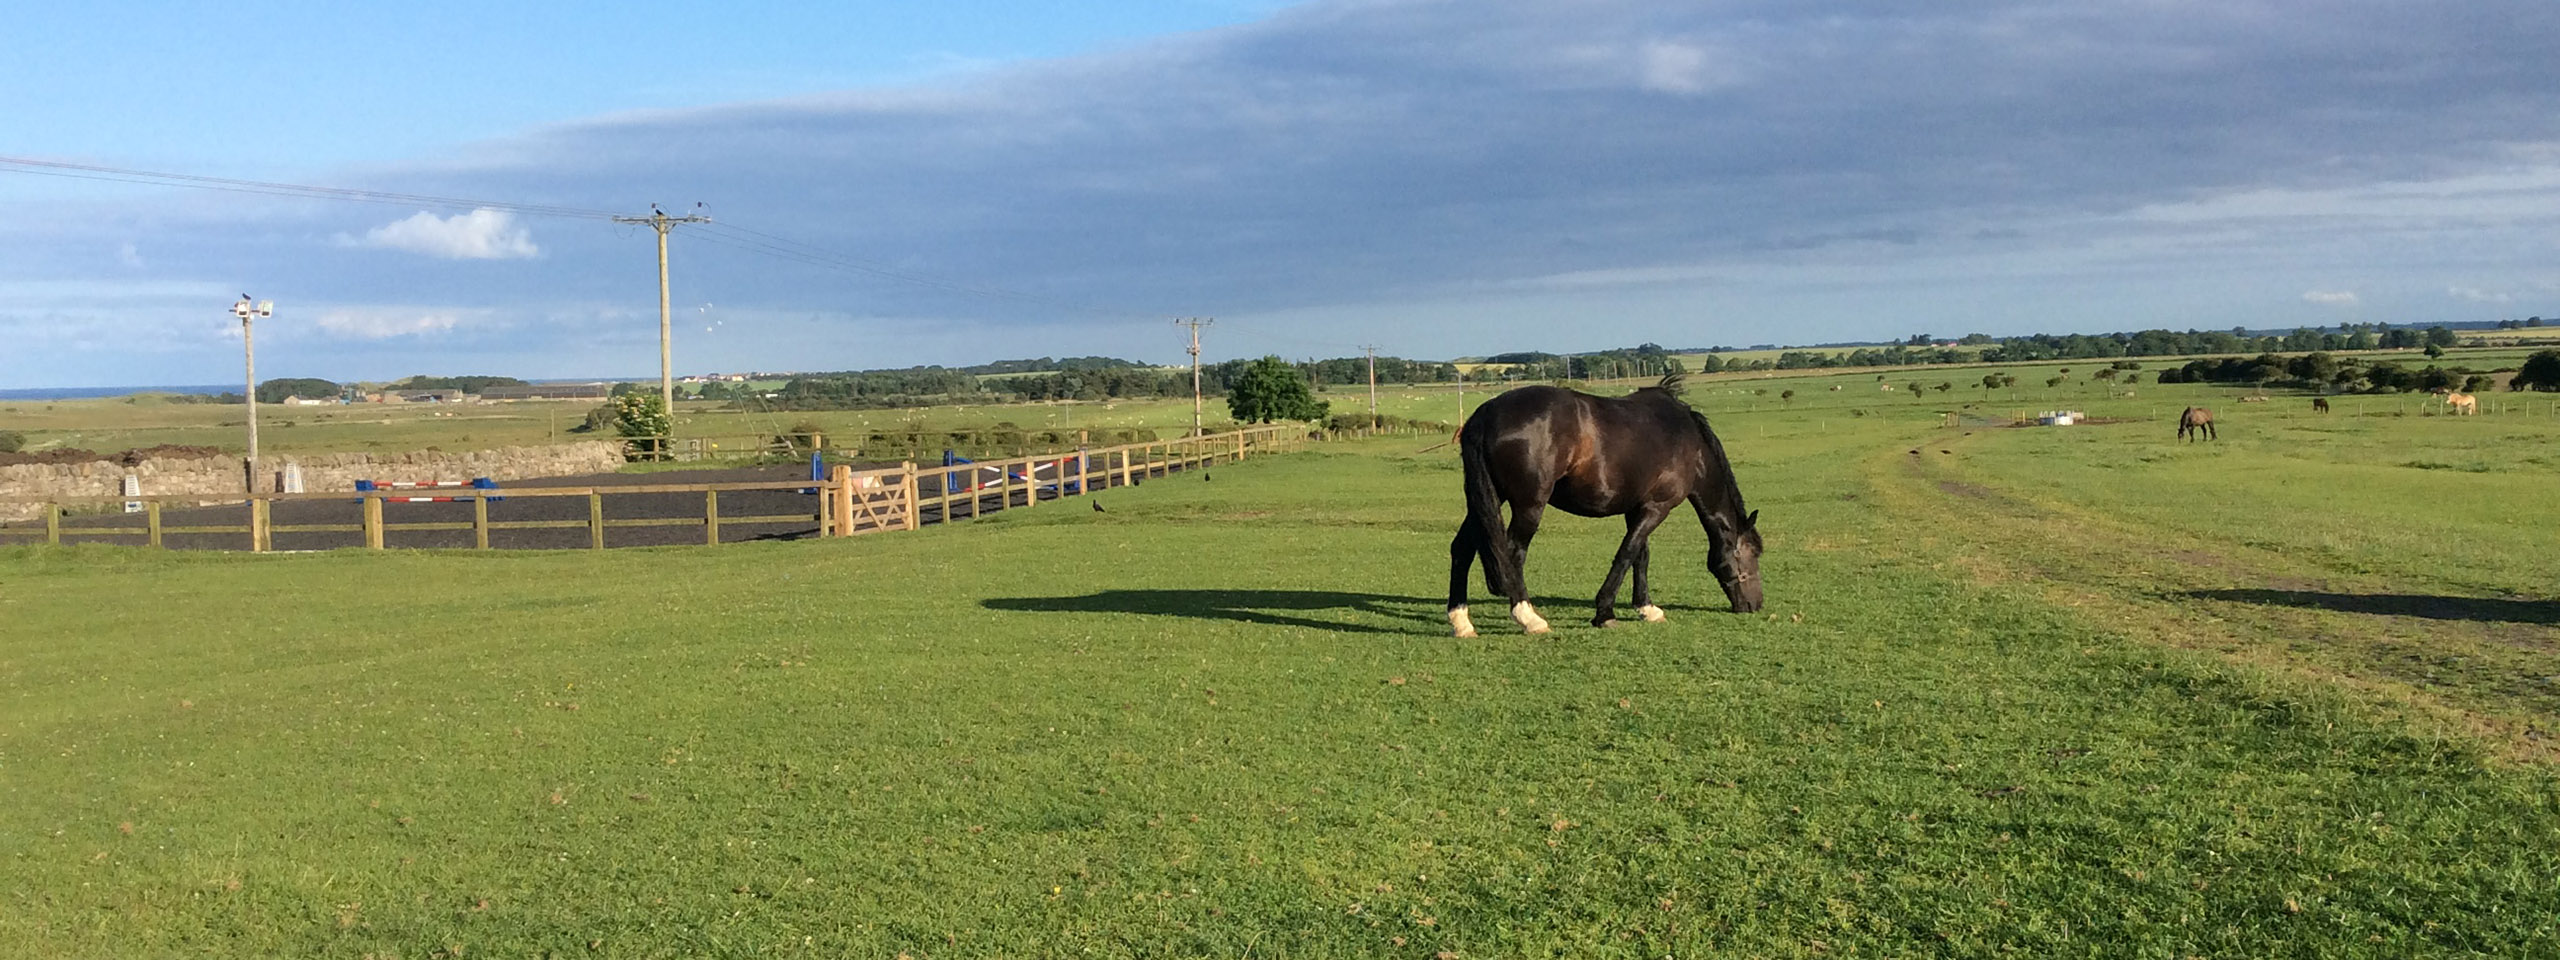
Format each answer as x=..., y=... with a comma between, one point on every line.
x=1638, y=456
x=2320, y=404
x=2195, y=424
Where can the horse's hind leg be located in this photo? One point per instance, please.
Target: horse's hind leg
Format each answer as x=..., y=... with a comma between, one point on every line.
x=1639, y=527
x=1644, y=591
x=1462, y=554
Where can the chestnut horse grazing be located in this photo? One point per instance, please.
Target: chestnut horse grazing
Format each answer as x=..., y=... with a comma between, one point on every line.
x=2195, y=424
x=1638, y=456
x=2320, y=404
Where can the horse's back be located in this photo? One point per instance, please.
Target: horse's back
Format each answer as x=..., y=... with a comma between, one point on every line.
x=1589, y=455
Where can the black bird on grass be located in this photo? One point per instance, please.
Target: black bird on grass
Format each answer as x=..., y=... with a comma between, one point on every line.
x=1204, y=476
x=1097, y=506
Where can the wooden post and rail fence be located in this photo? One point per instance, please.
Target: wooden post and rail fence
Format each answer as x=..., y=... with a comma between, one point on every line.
x=848, y=501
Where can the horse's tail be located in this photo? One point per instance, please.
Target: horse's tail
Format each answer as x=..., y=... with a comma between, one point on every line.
x=1484, y=509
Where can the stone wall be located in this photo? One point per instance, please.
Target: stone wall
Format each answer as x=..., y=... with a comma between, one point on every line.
x=320, y=472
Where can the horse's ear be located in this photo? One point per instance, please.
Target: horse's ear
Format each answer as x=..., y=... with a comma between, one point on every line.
x=1751, y=522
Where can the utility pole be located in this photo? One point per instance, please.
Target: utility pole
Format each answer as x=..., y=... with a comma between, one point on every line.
x=659, y=221
x=247, y=311
x=1195, y=323
x=1373, y=381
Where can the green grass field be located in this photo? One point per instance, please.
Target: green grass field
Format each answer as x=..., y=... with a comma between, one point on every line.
x=2060, y=691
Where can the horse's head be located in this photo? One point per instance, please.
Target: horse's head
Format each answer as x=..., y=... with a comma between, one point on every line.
x=1736, y=560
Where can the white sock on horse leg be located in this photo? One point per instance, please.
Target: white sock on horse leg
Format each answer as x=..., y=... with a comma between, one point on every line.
x=1650, y=613
x=1459, y=622
x=1528, y=617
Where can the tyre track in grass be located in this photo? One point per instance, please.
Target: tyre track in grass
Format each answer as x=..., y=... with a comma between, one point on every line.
x=2485, y=669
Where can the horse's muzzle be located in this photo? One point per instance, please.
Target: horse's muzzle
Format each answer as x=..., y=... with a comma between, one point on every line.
x=1744, y=591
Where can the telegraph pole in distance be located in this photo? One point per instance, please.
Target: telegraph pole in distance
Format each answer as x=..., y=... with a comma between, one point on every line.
x=659, y=221
x=247, y=311
x=1195, y=323
x=1373, y=382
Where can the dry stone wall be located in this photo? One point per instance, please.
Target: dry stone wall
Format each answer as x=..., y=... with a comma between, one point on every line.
x=322, y=472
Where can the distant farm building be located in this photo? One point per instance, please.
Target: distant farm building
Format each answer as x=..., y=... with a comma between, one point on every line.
x=549, y=391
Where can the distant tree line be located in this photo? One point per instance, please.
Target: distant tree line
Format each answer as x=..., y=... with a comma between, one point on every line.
x=2100, y=346
x=1081, y=378
x=1049, y=365
x=466, y=384
x=2319, y=370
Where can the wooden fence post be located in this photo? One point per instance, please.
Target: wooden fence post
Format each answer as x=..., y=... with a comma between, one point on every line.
x=943, y=480
x=595, y=520
x=261, y=539
x=53, y=524
x=840, y=490
x=711, y=517
x=372, y=521
x=1031, y=482
x=153, y=522
x=908, y=488
x=480, y=522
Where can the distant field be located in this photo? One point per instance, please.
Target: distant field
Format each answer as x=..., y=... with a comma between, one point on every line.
x=2041, y=691
x=117, y=424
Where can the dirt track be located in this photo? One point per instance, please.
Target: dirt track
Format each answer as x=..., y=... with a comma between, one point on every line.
x=503, y=509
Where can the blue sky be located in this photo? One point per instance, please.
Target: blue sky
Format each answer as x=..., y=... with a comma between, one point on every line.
x=961, y=182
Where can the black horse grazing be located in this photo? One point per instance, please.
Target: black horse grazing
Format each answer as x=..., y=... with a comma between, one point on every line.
x=2320, y=404
x=1637, y=456
x=2195, y=424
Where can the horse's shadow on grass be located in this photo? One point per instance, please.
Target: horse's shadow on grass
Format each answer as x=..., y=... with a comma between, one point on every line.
x=2396, y=604
x=1282, y=608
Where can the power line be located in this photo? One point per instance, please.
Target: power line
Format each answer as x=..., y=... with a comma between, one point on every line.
x=85, y=171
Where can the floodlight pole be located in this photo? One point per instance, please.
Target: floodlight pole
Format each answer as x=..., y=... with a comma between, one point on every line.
x=247, y=312
x=663, y=224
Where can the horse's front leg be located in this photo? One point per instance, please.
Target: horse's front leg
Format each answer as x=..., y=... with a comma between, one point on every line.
x=1639, y=526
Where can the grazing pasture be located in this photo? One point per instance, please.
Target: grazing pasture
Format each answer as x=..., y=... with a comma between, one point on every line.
x=2040, y=690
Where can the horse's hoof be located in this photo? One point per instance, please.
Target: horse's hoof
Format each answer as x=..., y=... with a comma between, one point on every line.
x=1605, y=622
x=1539, y=629
x=1528, y=618
x=1651, y=613
x=1459, y=624
x=1463, y=634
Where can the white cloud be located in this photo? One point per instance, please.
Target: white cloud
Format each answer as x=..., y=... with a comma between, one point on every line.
x=2331, y=298
x=383, y=323
x=1676, y=68
x=2477, y=295
x=482, y=234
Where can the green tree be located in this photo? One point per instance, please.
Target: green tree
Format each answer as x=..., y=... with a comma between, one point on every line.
x=12, y=441
x=2540, y=372
x=642, y=419
x=276, y=390
x=1270, y=389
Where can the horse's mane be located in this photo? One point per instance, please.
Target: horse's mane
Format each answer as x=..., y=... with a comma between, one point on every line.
x=1671, y=383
